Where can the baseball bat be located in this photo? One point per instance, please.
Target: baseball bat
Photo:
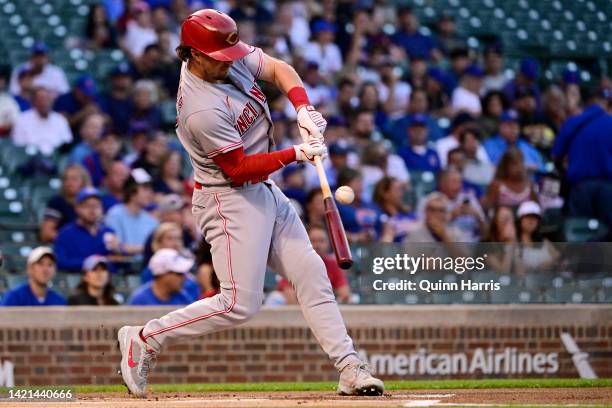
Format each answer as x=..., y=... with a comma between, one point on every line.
x=335, y=229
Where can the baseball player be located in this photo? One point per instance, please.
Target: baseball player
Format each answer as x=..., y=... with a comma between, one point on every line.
x=224, y=124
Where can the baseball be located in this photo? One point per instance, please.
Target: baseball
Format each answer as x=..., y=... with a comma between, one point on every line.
x=344, y=195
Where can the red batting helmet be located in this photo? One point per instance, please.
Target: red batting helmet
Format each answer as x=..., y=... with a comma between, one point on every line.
x=215, y=34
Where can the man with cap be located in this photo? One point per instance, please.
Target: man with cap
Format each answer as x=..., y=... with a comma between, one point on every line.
x=130, y=220
x=466, y=97
x=95, y=287
x=80, y=102
x=411, y=40
x=36, y=291
x=41, y=120
x=417, y=154
x=323, y=51
x=86, y=236
x=509, y=135
x=117, y=103
x=169, y=209
x=494, y=79
x=527, y=76
x=168, y=267
x=45, y=74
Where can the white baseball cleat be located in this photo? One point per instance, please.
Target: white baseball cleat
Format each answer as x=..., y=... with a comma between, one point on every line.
x=356, y=379
x=137, y=359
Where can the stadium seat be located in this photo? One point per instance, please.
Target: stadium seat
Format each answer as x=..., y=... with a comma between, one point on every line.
x=581, y=229
x=514, y=294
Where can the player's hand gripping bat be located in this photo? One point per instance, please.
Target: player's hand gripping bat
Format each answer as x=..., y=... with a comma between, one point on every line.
x=335, y=229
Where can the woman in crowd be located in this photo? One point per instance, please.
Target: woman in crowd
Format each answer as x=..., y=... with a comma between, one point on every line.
x=170, y=179
x=95, y=287
x=60, y=208
x=99, y=31
x=314, y=214
x=389, y=196
x=511, y=185
x=501, y=242
x=536, y=253
x=493, y=104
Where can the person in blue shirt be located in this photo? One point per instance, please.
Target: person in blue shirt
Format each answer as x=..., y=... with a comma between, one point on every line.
x=85, y=236
x=169, y=270
x=586, y=141
x=417, y=154
x=41, y=269
x=117, y=103
x=80, y=102
x=132, y=223
x=509, y=135
x=418, y=105
x=411, y=40
x=526, y=77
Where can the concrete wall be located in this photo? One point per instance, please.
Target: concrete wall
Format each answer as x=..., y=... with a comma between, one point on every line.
x=57, y=345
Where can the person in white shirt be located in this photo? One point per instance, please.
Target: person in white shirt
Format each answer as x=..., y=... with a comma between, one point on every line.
x=494, y=80
x=466, y=97
x=40, y=126
x=322, y=50
x=460, y=122
x=377, y=162
x=45, y=74
x=140, y=31
x=9, y=109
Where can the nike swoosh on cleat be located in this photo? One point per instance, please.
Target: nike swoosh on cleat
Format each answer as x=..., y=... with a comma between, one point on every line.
x=131, y=362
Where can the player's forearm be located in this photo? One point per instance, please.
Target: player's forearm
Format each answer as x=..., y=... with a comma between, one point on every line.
x=242, y=168
x=285, y=77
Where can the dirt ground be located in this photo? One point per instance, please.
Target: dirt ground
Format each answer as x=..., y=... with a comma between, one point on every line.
x=418, y=398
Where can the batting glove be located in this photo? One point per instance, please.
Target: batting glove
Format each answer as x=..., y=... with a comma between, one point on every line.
x=308, y=151
x=311, y=123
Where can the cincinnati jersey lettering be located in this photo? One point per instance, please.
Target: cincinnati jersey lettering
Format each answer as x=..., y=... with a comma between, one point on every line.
x=246, y=118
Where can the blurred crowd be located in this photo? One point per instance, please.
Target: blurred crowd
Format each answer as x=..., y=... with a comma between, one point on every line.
x=406, y=108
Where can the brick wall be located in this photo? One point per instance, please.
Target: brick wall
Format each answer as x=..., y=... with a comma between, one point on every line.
x=78, y=346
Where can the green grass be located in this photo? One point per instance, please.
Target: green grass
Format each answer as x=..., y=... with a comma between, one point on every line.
x=330, y=386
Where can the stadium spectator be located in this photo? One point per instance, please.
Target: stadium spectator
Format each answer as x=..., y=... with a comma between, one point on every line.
x=417, y=154
x=86, y=235
x=437, y=96
x=363, y=128
x=466, y=215
x=526, y=77
x=418, y=105
x=477, y=170
x=346, y=99
x=459, y=61
x=376, y=162
x=132, y=223
x=112, y=186
x=285, y=293
x=511, y=185
x=389, y=196
x=170, y=210
x=494, y=104
x=555, y=107
x=169, y=180
x=95, y=288
x=584, y=141
x=362, y=220
x=466, y=97
x=502, y=254
x=319, y=93
x=314, y=209
x=509, y=136
x=139, y=30
x=25, y=80
x=411, y=40
x=433, y=226
x=494, y=79
x=370, y=100
x=502, y=227
x=571, y=89
x=447, y=37
x=117, y=103
x=155, y=148
x=169, y=269
x=153, y=65
x=44, y=74
x=322, y=50
x=169, y=235
x=90, y=132
x=393, y=91
x=447, y=143
x=60, y=208
x=41, y=120
x=251, y=10
x=9, y=108
x=145, y=112
x=99, y=31
x=41, y=267
x=106, y=151
x=80, y=102
x=294, y=182
x=536, y=253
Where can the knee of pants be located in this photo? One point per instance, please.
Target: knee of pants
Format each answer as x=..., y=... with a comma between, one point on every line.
x=245, y=304
x=313, y=275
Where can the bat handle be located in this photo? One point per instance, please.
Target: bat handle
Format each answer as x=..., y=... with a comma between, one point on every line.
x=322, y=177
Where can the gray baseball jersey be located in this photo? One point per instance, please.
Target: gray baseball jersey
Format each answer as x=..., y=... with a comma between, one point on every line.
x=248, y=228
x=214, y=118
